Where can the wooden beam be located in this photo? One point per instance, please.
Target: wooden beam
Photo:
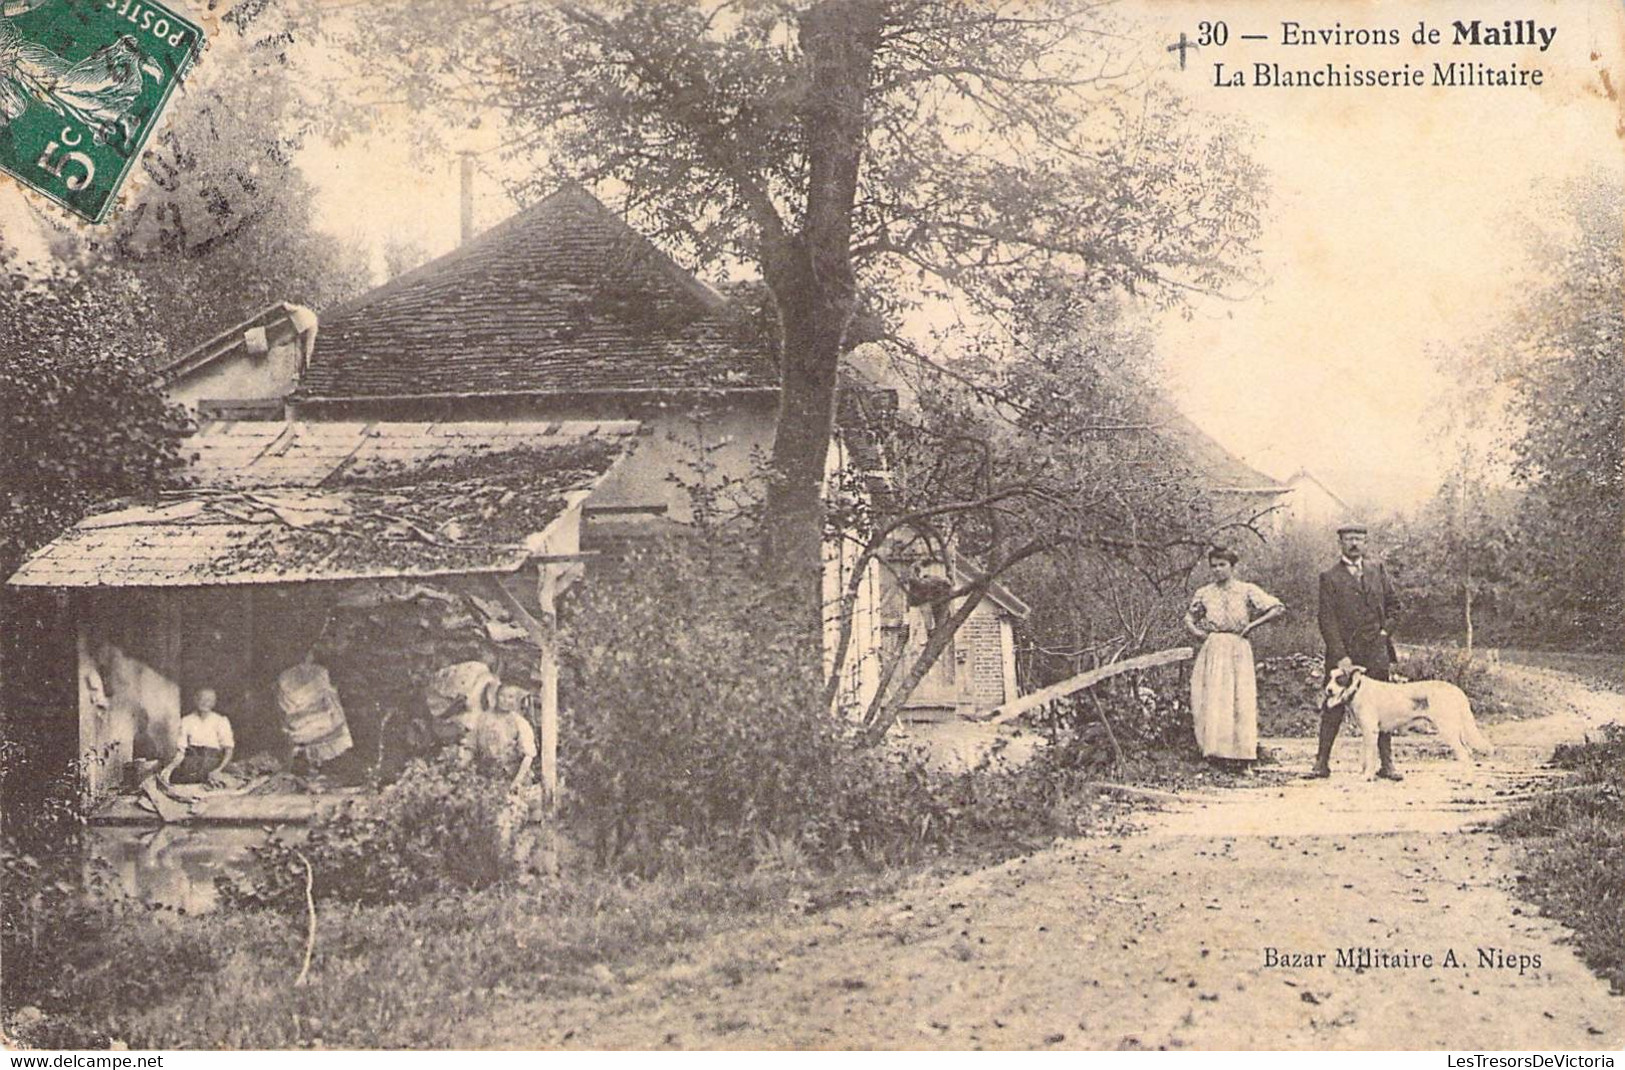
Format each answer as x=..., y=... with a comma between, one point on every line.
x=535, y=628
x=561, y=559
x=546, y=592
x=544, y=633
x=623, y=510
x=1011, y=710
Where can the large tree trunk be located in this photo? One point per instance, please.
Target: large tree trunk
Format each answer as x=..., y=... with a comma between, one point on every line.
x=813, y=323
x=813, y=286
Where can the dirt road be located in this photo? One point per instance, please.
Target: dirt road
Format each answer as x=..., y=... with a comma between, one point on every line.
x=1163, y=939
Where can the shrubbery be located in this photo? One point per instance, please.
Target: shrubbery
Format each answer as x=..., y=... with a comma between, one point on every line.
x=39, y=787
x=697, y=762
x=695, y=725
x=1469, y=672
x=1574, y=865
x=694, y=741
x=66, y=941
x=1289, y=694
x=437, y=828
x=696, y=730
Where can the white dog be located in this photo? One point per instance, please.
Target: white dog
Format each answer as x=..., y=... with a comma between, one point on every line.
x=1384, y=707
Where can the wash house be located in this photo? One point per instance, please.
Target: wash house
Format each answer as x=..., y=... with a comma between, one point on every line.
x=380, y=552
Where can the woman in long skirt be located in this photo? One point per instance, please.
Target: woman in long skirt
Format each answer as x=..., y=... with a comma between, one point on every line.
x=1224, y=690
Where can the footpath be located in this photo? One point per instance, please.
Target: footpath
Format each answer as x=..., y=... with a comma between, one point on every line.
x=1217, y=926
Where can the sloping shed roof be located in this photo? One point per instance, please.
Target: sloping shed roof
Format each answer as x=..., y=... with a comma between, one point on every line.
x=997, y=593
x=289, y=503
x=563, y=298
x=245, y=539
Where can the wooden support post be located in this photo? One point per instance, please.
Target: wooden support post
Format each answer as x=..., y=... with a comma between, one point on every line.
x=543, y=627
x=548, y=744
x=546, y=590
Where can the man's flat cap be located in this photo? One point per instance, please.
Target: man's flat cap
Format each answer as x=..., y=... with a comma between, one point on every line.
x=1352, y=528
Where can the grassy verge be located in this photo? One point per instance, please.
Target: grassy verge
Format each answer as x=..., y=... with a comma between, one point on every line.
x=1573, y=858
x=393, y=967
x=407, y=975
x=399, y=976
x=1602, y=670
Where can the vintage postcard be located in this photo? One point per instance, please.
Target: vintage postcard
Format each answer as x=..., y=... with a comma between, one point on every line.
x=813, y=524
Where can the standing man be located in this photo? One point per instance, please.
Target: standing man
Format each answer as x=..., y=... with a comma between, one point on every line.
x=1357, y=604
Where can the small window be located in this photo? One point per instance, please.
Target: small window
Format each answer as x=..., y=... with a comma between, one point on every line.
x=240, y=408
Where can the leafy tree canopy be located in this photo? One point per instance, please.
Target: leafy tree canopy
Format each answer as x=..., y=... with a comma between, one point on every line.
x=871, y=154
x=83, y=421
x=1553, y=370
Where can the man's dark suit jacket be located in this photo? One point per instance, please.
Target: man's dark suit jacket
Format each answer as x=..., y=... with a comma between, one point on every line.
x=1354, y=613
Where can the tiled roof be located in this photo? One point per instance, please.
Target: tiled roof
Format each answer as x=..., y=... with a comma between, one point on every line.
x=243, y=539
x=562, y=298
x=267, y=453
x=997, y=593
x=1221, y=469
x=283, y=503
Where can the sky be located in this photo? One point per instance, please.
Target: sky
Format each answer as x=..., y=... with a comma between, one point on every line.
x=1395, y=227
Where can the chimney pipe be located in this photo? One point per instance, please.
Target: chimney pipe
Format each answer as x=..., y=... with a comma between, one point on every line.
x=467, y=174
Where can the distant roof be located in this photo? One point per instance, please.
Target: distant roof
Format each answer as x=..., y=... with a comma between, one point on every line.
x=283, y=503
x=1221, y=469
x=997, y=593
x=1303, y=475
x=563, y=298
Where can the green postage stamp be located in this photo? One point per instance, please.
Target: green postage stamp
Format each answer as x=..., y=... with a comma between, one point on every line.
x=82, y=83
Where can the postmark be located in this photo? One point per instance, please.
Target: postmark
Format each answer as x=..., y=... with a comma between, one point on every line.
x=82, y=86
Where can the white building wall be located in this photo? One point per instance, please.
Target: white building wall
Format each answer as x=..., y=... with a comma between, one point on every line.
x=240, y=377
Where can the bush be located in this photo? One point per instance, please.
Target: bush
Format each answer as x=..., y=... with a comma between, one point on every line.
x=1289, y=694
x=66, y=941
x=694, y=719
x=39, y=787
x=696, y=736
x=1146, y=712
x=1469, y=672
x=436, y=829
x=695, y=742
x=1574, y=865
x=84, y=420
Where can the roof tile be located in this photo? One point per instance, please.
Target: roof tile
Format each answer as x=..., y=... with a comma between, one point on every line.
x=562, y=298
x=308, y=514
